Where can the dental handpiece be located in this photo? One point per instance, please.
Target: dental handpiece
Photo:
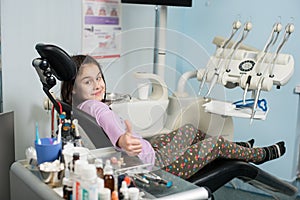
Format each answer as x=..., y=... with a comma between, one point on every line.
x=277, y=27
x=256, y=99
x=235, y=27
x=247, y=28
x=154, y=177
x=246, y=88
x=289, y=29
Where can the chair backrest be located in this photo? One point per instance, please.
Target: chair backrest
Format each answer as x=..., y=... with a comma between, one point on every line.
x=88, y=123
x=95, y=133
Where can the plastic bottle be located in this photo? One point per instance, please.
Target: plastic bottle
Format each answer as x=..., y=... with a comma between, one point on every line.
x=109, y=181
x=77, y=136
x=100, y=183
x=104, y=194
x=99, y=167
x=88, y=183
x=124, y=191
x=79, y=165
x=67, y=186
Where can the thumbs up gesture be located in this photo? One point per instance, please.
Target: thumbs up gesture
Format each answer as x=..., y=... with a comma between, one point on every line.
x=128, y=142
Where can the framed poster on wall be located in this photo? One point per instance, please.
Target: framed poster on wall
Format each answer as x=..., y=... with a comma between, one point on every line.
x=101, y=21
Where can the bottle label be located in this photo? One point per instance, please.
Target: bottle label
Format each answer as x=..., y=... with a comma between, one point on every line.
x=85, y=194
x=77, y=190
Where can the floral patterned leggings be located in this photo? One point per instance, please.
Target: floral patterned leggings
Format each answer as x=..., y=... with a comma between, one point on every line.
x=186, y=150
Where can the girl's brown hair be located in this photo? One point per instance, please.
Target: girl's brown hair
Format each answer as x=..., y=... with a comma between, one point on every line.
x=67, y=86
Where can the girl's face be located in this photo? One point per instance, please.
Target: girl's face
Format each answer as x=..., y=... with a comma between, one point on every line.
x=89, y=84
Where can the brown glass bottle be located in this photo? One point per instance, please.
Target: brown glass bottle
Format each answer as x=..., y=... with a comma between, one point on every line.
x=76, y=156
x=109, y=180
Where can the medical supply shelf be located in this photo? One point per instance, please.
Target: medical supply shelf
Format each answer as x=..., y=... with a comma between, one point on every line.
x=25, y=183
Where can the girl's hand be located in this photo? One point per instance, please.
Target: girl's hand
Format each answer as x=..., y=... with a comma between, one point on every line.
x=128, y=142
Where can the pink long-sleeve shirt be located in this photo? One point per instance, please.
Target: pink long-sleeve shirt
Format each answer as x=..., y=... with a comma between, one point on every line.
x=114, y=126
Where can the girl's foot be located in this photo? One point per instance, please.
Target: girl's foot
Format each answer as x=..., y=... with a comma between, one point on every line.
x=273, y=152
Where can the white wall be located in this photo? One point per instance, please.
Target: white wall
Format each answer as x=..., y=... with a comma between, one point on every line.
x=26, y=23
x=23, y=25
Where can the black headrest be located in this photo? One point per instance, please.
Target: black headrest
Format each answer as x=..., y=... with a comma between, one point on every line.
x=61, y=64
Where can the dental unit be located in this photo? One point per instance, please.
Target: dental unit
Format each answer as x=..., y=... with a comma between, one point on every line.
x=249, y=69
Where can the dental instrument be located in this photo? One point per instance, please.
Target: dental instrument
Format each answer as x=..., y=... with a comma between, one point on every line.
x=247, y=28
x=289, y=29
x=271, y=41
x=156, y=178
x=261, y=56
x=246, y=88
x=248, y=68
x=256, y=100
x=235, y=27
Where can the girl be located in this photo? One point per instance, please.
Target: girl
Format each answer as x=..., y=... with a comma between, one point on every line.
x=181, y=152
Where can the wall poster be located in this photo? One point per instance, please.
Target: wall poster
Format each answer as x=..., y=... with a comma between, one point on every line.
x=101, y=25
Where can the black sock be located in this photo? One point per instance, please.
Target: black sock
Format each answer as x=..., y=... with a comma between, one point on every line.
x=248, y=144
x=273, y=152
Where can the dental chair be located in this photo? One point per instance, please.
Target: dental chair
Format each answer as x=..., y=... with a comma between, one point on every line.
x=55, y=62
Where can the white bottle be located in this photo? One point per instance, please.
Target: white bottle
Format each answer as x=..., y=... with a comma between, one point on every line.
x=88, y=183
x=79, y=165
x=104, y=194
x=124, y=190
